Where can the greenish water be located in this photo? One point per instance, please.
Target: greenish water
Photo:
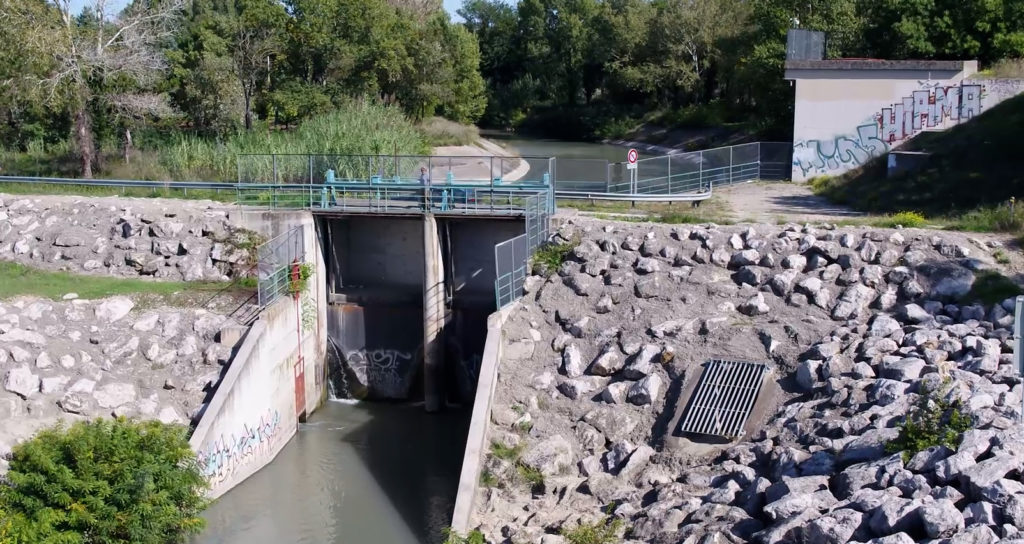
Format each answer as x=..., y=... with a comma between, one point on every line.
x=368, y=472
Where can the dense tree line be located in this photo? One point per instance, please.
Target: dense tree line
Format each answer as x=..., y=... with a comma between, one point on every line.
x=571, y=68
x=213, y=66
x=580, y=64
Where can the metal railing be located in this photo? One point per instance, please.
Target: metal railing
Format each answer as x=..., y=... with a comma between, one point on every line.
x=411, y=198
x=683, y=176
x=511, y=257
x=274, y=263
x=312, y=169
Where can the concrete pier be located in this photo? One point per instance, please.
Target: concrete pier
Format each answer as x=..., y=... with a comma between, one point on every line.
x=433, y=316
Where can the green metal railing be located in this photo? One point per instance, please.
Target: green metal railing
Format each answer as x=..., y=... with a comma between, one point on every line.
x=391, y=197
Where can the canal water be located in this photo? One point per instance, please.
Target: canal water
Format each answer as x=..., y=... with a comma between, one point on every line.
x=367, y=472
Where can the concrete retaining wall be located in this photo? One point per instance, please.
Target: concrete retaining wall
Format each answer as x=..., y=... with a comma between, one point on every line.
x=476, y=441
x=271, y=383
x=847, y=111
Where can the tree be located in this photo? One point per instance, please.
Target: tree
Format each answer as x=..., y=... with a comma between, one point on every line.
x=97, y=60
x=112, y=481
x=256, y=40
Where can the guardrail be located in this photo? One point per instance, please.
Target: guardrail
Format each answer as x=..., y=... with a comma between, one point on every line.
x=409, y=198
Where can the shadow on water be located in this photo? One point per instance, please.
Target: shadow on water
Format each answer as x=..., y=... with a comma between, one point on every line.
x=419, y=468
x=370, y=472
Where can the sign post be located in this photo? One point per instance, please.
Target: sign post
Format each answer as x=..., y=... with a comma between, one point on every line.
x=631, y=157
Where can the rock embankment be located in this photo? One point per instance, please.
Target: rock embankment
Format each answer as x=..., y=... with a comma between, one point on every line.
x=124, y=237
x=99, y=358
x=858, y=325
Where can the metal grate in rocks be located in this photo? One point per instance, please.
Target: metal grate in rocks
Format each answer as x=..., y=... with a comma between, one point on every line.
x=724, y=398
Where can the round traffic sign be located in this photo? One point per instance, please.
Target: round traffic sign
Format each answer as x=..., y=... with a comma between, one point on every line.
x=632, y=156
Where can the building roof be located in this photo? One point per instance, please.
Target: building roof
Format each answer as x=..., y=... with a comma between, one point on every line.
x=880, y=64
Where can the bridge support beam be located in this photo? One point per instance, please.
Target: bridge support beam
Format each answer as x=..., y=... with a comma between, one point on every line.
x=433, y=316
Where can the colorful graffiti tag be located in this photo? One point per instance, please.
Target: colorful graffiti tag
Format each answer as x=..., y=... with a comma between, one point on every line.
x=225, y=456
x=932, y=106
x=929, y=107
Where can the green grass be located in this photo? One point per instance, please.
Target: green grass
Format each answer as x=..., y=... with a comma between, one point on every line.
x=548, y=257
x=94, y=191
x=17, y=279
x=603, y=531
x=453, y=537
x=531, y=476
x=506, y=453
x=973, y=165
x=1006, y=217
x=488, y=479
x=992, y=287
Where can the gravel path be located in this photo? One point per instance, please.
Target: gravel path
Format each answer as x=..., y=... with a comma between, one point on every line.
x=768, y=202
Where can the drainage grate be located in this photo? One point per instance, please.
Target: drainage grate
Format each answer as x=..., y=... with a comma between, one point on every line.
x=724, y=398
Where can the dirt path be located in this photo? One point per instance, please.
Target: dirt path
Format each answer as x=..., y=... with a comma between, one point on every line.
x=766, y=202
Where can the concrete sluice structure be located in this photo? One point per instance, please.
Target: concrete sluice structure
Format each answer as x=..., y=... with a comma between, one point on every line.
x=395, y=309
x=408, y=297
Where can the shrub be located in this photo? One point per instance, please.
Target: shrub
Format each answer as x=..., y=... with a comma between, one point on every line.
x=901, y=219
x=604, y=531
x=104, y=481
x=934, y=421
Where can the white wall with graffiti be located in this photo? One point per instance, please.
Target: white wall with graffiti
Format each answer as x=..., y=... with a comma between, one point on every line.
x=845, y=117
x=275, y=375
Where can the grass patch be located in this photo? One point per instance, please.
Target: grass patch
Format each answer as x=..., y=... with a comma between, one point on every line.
x=17, y=279
x=451, y=536
x=439, y=131
x=1005, y=217
x=992, y=287
x=136, y=192
x=603, y=531
x=1001, y=257
x=488, y=479
x=933, y=422
x=532, y=477
x=506, y=453
x=549, y=256
x=1003, y=68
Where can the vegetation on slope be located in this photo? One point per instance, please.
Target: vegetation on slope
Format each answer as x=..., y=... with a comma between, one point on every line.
x=974, y=171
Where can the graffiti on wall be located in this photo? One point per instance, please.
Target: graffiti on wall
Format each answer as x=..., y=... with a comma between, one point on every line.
x=929, y=107
x=386, y=373
x=226, y=455
x=932, y=106
x=842, y=152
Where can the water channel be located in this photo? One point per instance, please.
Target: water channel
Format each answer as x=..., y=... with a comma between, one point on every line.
x=366, y=472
